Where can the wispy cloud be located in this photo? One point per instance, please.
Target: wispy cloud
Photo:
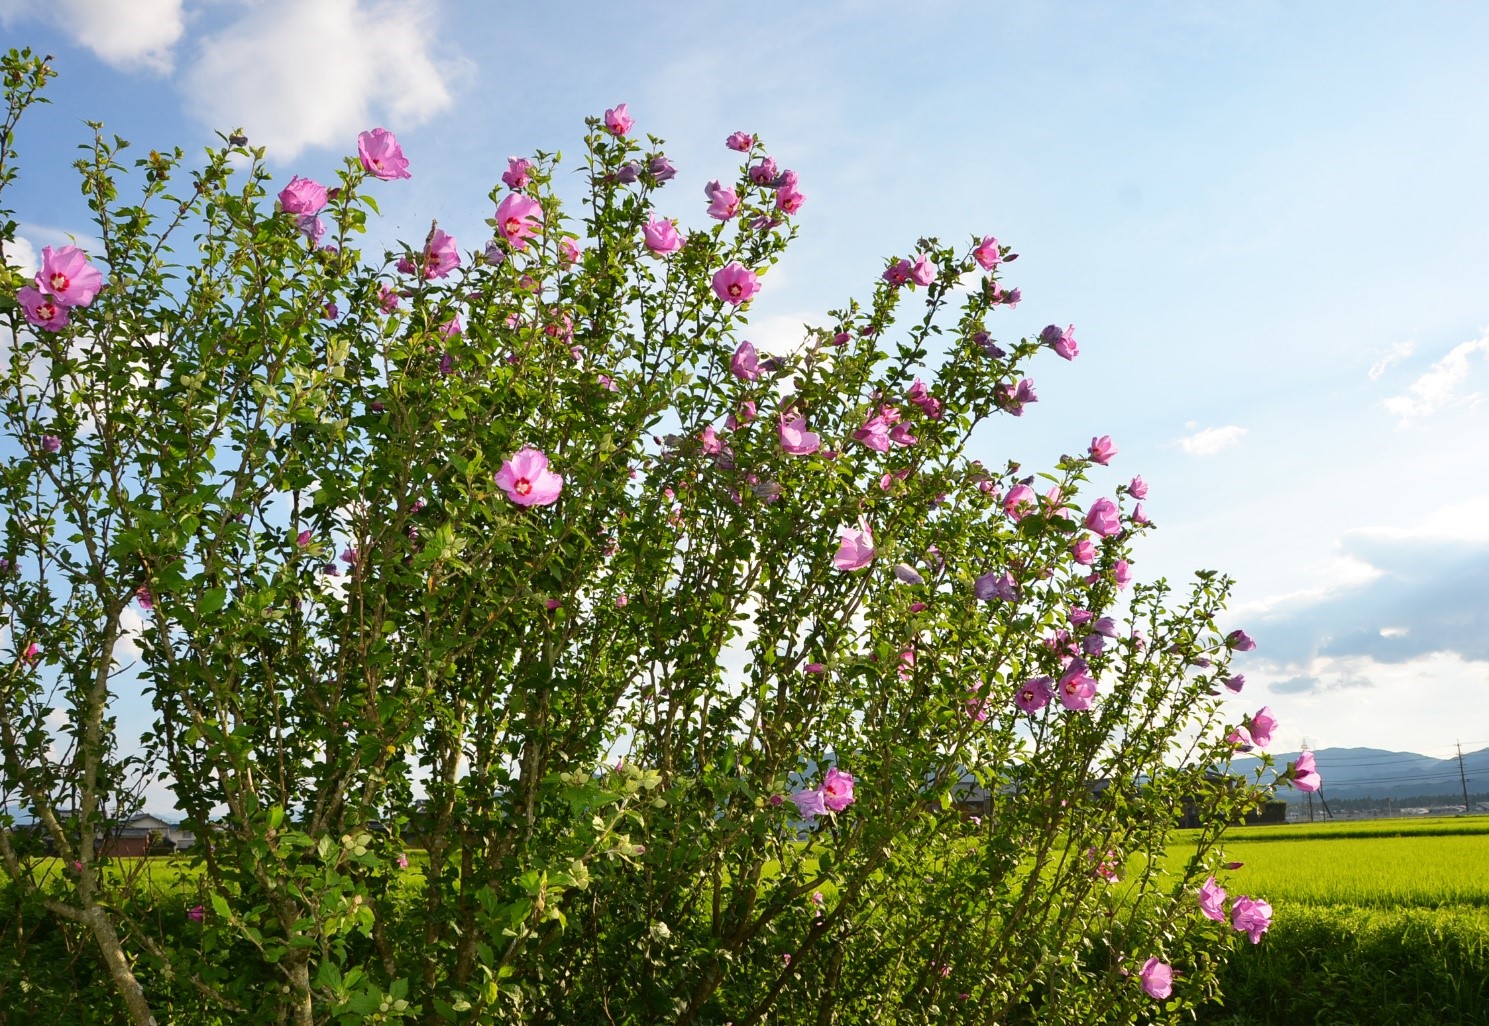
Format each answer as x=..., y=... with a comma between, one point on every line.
x=127, y=34
x=1440, y=386
x=1400, y=351
x=1424, y=598
x=300, y=73
x=1210, y=441
x=1319, y=683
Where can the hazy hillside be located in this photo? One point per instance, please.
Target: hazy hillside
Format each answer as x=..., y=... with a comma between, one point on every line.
x=1376, y=773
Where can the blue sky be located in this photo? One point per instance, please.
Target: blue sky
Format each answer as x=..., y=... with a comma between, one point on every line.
x=1266, y=221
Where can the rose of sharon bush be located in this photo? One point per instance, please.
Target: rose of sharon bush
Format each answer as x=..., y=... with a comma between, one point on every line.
x=511, y=758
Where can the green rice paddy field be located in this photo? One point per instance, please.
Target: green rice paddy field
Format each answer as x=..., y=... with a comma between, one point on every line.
x=1382, y=922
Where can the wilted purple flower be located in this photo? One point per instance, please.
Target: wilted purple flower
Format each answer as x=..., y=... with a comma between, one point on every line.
x=1239, y=641
x=907, y=574
x=993, y=585
x=1034, y=694
x=1062, y=342
x=311, y=226
x=661, y=168
x=745, y=363
x=991, y=349
x=809, y=803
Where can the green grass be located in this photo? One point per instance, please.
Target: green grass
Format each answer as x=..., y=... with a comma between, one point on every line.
x=1421, y=871
x=1341, y=829
x=1342, y=965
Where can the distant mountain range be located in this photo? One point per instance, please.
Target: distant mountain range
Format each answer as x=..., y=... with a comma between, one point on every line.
x=1376, y=773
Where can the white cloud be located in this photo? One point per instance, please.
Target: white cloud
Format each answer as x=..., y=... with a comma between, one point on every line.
x=1356, y=701
x=1439, y=386
x=20, y=253
x=1211, y=440
x=127, y=34
x=131, y=629
x=779, y=334
x=301, y=73
x=1400, y=351
x=1342, y=572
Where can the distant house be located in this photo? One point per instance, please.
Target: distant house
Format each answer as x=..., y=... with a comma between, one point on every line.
x=140, y=834
x=144, y=834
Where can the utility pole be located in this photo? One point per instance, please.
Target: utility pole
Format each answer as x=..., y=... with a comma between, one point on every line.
x=1310, y=793
x=1464, y=779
